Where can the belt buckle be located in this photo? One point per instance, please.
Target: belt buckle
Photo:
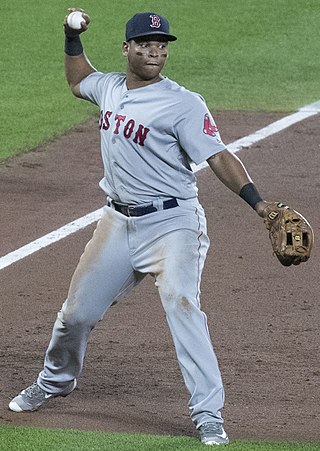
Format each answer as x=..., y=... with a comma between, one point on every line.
x=130, y=208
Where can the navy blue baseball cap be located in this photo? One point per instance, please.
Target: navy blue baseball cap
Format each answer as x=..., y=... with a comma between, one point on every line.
x=146, y=24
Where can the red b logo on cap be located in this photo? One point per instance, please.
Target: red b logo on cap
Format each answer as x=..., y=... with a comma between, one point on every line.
x=155, y=21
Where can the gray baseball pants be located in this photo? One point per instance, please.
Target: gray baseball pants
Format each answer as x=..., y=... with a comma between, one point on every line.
x=172, y=246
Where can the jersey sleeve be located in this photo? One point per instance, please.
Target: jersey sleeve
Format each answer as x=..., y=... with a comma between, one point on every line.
x=92, y=87
x=196, y=130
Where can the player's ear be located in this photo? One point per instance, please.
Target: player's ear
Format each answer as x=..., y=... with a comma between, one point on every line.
x=125, y=48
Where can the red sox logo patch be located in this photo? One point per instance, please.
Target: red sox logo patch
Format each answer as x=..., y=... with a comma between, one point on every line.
x=209, y=128
x=155, y=21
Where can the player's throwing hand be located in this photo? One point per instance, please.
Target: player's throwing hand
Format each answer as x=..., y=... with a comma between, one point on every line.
x=76, y=22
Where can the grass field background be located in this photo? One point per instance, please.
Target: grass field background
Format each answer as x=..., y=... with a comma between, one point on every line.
x=241, y=55
x=24, y=439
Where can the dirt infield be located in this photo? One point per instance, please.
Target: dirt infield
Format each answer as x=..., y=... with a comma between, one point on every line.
x=263, y=318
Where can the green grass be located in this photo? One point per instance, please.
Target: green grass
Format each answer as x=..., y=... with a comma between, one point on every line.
x=249, y=55
x=24, y=439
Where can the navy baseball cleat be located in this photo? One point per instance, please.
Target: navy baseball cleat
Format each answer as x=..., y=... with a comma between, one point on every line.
x=213, y=434
x=33, y=397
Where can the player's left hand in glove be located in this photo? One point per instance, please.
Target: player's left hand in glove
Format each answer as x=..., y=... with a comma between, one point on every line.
x=290, y=233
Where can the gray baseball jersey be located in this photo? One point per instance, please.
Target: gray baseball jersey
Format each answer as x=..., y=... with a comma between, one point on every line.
x=149, y=136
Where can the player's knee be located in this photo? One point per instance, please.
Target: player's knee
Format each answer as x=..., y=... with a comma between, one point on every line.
x=177, y=304
x=77, y=319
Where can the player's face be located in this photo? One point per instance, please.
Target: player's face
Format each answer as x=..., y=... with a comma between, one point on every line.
x=145, y=59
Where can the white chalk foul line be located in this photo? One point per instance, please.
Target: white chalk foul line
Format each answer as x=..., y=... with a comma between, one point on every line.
x=81, y=223
x=50, y=238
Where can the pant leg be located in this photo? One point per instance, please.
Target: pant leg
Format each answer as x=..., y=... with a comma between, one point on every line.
x=103, y=274
x=178, y=280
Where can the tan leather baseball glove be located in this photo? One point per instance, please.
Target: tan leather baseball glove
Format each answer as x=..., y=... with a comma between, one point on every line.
x=290, y=233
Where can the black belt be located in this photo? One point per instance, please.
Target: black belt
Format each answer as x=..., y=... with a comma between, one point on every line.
x=135, y=210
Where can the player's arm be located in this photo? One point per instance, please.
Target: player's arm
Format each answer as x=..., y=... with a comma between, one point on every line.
x=232, y=173
x=77, y=66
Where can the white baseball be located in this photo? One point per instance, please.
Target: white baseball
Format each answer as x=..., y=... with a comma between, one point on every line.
x=74, y=20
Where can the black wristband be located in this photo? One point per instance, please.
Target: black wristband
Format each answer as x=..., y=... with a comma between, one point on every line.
x=250, y=194
x=73, y=46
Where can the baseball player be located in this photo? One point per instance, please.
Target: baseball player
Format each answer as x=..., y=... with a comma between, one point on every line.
x=151, y=129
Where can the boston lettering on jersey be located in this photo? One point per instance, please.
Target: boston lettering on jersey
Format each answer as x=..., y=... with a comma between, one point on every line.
x=120, y=124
